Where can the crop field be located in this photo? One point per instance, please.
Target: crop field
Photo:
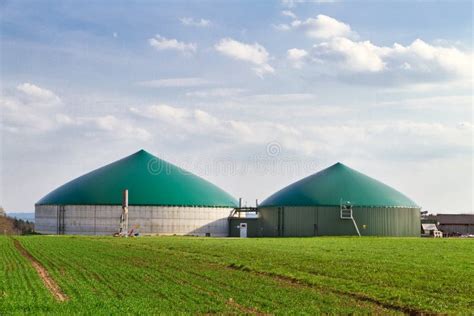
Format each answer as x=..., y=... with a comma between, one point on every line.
x=149, y=275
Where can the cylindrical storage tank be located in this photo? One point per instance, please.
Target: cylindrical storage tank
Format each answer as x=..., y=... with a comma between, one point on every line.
x=162, y=199
x=339, y=201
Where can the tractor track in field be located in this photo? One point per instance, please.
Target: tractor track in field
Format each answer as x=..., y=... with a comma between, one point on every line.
x=48, y=281
x=357, y=296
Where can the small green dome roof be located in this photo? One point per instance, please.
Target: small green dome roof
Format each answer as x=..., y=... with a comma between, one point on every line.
x=149, y=180
x=335, y=184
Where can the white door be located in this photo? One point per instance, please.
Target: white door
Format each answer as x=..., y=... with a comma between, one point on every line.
x=243, y=230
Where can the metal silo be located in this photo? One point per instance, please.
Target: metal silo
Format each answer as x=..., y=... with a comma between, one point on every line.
x=161, y=199
x=339, y=201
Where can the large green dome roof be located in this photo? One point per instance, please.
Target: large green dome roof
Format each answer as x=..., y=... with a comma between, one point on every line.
x=149, y=180
x=335, y=184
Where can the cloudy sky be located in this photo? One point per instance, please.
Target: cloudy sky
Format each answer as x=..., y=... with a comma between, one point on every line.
x=250, y=95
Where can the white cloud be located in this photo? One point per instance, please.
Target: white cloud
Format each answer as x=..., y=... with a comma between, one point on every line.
x=289, y=3
x=422, y=56
x=190, y=120
x=175, y=82
x=162, y=43
x=438, y=86
x=163, y=111
x=253, y=53
x=218, y=92
x=282, y=27
x=293, y=3
x=201, y=126
x=337, y=53
x=432, y=103
x=353, y=56
x=288, y=13
x=199, y=23
x=29, y=109
x=296, y=56
x=38, y=95
x=64, y=119
x=21, y=117
x=118, y=128
x=281, y=98
x=414, y=60
x=296, y=23
x=321, y=27
x=325, y=27
x=393, y=140
x=105, y=126
x=263, y=69
x=184, y=122
x=236, y=97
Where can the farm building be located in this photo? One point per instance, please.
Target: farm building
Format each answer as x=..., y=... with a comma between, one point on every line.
x=460, y=224
x=162, y=199
x=339, y=201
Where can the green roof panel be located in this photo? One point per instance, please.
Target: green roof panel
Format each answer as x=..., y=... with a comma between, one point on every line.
x=335, y=184
x=149, y=180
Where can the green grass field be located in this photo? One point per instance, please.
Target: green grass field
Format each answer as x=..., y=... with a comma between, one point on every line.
x=105, y=275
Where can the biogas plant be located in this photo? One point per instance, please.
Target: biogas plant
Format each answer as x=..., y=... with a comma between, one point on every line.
x=142, y=194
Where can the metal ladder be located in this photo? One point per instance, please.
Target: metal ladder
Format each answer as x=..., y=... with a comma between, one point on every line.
x=346, y=213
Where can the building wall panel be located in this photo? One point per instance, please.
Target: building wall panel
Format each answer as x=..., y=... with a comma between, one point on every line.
x=325, y=221
x=299, y=221
x=269, y=221
x=105, y=220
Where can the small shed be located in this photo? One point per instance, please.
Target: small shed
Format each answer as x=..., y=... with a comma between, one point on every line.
x=253, y=226
x=429, y=228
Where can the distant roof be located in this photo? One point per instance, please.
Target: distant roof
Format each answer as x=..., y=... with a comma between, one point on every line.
x=445, y=219
x=337, y=184
x=149, y=180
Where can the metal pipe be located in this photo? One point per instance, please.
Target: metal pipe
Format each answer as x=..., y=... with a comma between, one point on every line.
x=124, y=217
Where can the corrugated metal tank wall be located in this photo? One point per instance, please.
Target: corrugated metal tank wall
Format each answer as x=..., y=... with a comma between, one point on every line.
x=105, y=219
x=325, y=221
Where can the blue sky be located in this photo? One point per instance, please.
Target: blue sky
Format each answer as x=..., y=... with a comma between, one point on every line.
x=251, y=96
